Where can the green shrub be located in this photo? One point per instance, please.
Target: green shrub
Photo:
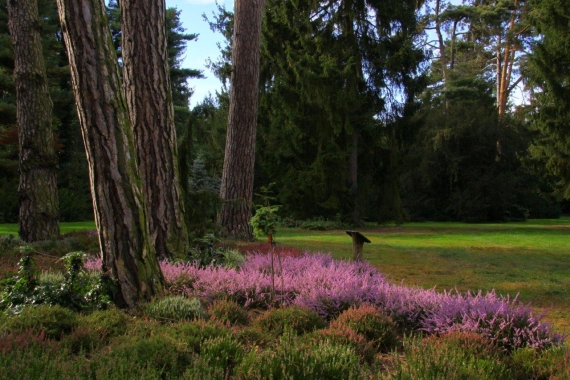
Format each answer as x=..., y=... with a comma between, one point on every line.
x=112, y=321
x=54, y=321
x=161, y=352
x=222, y=352
x=552, y=363
x=175, y=308
x=79, y=290
x=320, y=224
x=228, y=312
x=9, y=243
x=291, y=359
x=456, y=356
x=253, y=336
x=344, y=335
x=299, y=320
x=371, y=323
x=196, y=332
x=232, y=258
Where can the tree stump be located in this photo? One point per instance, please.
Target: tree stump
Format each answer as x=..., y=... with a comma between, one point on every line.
x=358, y=241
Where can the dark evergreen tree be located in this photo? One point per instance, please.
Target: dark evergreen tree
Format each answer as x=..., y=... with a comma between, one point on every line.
x=549, y=77
x=330, y=77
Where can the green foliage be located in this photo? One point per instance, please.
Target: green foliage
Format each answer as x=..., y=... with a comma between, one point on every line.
x=228, y=312
x=8, y=243
x=54, y=321
x=553, y=363
x=175, y=308
x=548, y=73
x=79, y=289
x=456, y=357
x=321, y=224
x=222, y=352
x=251, y=336
x=291, y=359
x=195, y=333
x=370, y=322
x=346, y=336
x=164, y=356
x=452, y=170
x=298, y=320
x=265, y=220
x=232, y=258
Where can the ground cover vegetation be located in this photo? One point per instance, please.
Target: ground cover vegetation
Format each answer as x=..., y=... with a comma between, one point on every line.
x=365, y=111
x=299, y=315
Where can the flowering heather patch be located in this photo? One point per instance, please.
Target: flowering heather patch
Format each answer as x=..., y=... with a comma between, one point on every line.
x=328, y=286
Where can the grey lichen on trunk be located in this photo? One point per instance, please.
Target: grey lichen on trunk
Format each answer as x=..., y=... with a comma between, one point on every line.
x=37, y=189
x=119, y=205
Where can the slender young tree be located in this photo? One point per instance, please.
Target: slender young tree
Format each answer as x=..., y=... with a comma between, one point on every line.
x=237, y=176
x=119, y=205
x=37, y=190
x=149, y=100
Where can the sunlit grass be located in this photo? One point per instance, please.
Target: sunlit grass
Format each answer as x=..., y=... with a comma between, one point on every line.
x=530, y=258
x=12, y=229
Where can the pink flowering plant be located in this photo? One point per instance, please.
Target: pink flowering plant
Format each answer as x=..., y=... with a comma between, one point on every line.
x=329, y=287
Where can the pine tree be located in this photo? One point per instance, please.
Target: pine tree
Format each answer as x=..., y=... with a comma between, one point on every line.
x=120, y=210
x=549, y=76
x=237, y=176
x=37, y=190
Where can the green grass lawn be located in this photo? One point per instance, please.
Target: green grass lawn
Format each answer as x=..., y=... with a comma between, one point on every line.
x=530, y=258
x=12, y=229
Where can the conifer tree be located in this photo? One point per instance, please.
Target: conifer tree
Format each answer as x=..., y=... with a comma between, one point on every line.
x=37, y=190
x=237, y=176
x=549, y=76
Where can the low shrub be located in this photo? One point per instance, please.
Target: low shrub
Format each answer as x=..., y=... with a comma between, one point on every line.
x=228, y=312
x=175, y=308
x=9, y=244
x=320, y=224
x=193, y=334
x=299, y=320
x=253, y=336
x=329, y=287
x=550, y=364
x=54, y=321
x=291, y=359
x=344, y=335
x=167, y=356
x=112, y=321
x=223, y=353
x=232, y=258
x=447, y=358
x=78, y=289
x=371, y=323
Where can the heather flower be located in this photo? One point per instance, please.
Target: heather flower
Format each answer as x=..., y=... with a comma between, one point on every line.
x=329, y=287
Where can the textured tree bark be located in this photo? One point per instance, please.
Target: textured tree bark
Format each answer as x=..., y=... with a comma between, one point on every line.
x=120, y=211
x=237, y=176
x=37, y=190
x=149, y=101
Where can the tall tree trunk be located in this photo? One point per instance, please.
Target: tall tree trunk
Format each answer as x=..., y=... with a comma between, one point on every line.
x=120, y=211
x=237, y=176
x=37, y=190
x=149, y=100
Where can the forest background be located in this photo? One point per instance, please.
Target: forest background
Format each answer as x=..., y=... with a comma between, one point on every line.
x=409, y=118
